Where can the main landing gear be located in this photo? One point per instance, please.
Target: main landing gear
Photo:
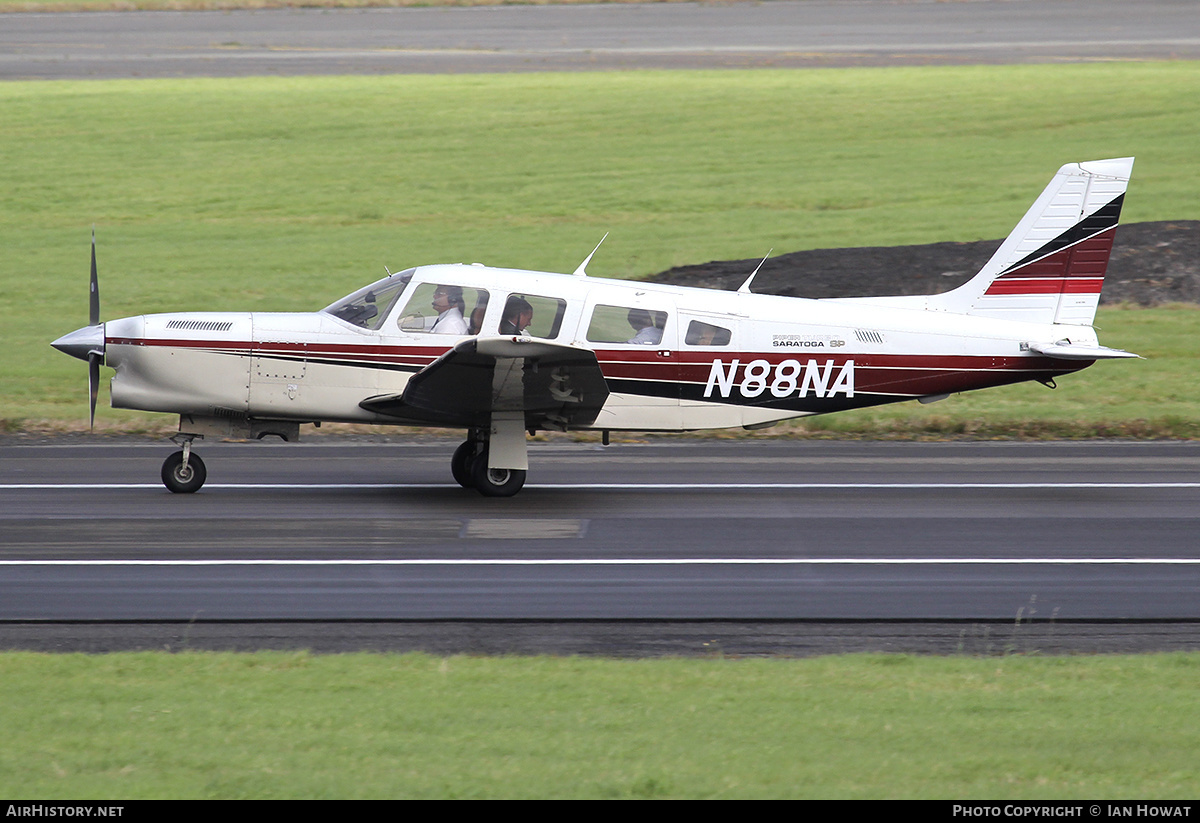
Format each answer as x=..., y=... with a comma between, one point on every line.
x=469, y=465
x=183, y=472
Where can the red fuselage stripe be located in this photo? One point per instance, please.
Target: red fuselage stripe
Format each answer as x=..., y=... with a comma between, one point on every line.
x=903, y=374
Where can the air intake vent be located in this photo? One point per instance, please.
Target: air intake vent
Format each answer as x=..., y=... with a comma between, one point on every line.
x=220, y=412
x=868, y=336
x=201, y=325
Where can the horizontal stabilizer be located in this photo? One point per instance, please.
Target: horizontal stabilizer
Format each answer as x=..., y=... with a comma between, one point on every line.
x=1070, y=351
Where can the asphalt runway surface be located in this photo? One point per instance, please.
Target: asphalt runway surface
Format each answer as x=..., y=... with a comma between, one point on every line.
x=777, y=34
x=677, y=546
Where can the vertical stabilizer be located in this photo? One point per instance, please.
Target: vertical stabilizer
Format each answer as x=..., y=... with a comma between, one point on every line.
x=1051, y=268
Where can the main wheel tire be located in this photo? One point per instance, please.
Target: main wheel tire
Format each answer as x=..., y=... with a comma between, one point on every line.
x=182, y=479
x=461, y=465
x=495, y=482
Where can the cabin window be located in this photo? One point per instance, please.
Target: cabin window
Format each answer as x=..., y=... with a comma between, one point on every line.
x=444, y=308
x=706, y=334
x=533, y=315
x=622, y=324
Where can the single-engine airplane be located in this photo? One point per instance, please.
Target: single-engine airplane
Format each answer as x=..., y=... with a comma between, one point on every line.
x=502, y=352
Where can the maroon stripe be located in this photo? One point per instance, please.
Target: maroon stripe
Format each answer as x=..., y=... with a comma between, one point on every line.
x=624, y=359
x=1086, y=260
x=914, y=375
x=274, y=347
x=903, y=374
x=351, y=353
x=861, y=360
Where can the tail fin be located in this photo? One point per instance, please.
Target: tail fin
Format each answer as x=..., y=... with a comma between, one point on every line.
x=1051, y=268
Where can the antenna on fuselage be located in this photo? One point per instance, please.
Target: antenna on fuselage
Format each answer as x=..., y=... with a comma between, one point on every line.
x=582, y=270
x=745, y=287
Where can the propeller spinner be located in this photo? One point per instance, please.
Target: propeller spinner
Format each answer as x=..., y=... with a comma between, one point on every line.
x=88, y=343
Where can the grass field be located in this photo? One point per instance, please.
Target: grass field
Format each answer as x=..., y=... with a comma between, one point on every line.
x=277, y=725
x=284, y=193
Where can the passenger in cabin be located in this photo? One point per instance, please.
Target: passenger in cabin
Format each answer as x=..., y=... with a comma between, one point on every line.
x=703, y=334
x=648, y=325
x=518, y=314
x=449, y=304
x=475, y=325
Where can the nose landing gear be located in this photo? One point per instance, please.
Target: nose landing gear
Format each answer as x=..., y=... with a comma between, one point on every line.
x=183, y=472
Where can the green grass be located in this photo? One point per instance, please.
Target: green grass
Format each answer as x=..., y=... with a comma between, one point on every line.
x=277, y=725
x=285, y=193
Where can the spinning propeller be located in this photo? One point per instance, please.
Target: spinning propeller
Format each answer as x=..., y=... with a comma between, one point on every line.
x=88, y=343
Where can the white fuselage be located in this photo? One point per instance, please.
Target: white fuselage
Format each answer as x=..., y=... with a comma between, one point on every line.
x=722, y=359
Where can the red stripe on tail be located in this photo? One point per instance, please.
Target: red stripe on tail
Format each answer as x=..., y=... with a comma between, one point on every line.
x=1077, y=269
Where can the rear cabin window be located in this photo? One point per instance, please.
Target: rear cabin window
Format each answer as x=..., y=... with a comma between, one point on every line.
x=706, y=334
x=532, y=314
x=444, y=308
x=622, y=324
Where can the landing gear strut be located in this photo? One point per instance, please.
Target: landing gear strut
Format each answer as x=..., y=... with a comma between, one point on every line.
x=183, y=472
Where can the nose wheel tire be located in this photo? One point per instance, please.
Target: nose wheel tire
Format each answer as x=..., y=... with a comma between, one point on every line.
x=495, y=482
x=182, y=479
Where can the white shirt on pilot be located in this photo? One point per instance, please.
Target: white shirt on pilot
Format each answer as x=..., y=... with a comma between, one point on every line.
x=449, y=322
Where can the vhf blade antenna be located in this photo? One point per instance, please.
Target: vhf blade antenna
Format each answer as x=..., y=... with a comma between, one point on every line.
x=582, y=270
x=745, y=287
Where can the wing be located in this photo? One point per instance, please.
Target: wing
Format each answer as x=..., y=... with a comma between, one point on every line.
x=558, y=387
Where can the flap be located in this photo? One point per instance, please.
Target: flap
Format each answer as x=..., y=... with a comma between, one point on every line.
x=557, y=386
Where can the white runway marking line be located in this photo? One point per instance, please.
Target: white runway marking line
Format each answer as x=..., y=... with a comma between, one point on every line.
x=637, y=561
x=619, y=486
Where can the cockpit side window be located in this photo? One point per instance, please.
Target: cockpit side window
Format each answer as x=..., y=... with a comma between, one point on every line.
x=367, y=308
x=444, y=308
x=623, y=324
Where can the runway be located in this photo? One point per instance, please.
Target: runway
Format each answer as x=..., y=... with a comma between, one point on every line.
x=640, y=540
x=778, y=34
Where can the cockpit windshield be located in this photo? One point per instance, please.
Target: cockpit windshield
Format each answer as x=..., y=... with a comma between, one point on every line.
x=368, y=307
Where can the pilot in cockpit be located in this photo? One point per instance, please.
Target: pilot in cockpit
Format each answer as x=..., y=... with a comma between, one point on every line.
x=449, y=304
